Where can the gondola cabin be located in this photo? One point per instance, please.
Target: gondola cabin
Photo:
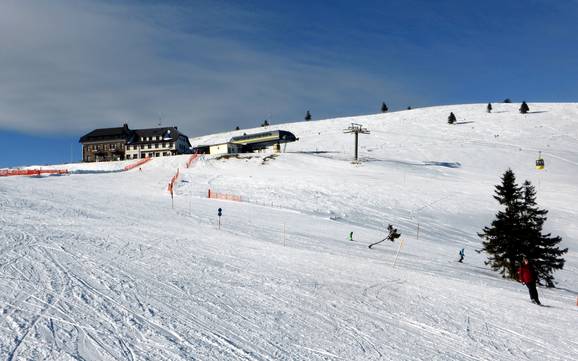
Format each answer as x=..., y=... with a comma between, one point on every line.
x=539, y=163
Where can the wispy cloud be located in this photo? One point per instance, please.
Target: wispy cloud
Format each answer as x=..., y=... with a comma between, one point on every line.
x=70, y=66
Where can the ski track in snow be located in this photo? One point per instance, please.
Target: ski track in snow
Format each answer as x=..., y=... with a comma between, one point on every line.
x=100, y=267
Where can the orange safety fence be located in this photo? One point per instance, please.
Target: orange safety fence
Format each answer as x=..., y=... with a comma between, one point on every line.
x=192, y=159
x=140, y=162
x=172, y=182
x=31, y=172
x=228, y=197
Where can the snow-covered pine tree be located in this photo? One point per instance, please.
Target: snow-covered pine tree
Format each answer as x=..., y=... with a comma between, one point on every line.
x=502, y=239
x=384, y=107
x=308, y=116
x=489, y=107
x=451, y=118
x=541, y=249
x=524, y=108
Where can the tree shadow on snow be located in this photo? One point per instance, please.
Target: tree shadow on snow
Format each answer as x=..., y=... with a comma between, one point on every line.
x=468, y=122
x=443, y=164
x=314, y=152
x=426, y=163
x=567, y=290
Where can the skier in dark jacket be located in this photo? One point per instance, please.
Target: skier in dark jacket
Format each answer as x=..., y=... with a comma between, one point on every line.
x=462, y=254
x=392, y=235
x=527, y=275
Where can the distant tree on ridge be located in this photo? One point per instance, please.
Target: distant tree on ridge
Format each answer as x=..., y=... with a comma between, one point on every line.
x=384, y=108
x=451, y=118
x=524, y=108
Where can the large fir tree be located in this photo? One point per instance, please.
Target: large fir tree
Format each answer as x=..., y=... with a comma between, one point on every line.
x=541, y=249
x=517, y=232
x=502, y=241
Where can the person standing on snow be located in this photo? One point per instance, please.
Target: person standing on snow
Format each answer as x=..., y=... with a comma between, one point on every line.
x=351, y=236
x=527, y=275
x=462, y=254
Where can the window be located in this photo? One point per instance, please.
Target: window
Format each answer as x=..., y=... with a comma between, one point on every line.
x=157, y=154
x=149, y=146
x=156, y=145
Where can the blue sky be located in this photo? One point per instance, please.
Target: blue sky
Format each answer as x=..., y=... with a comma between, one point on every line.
x=69, y=66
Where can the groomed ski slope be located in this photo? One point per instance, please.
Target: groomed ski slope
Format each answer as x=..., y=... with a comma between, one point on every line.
x=101, y=267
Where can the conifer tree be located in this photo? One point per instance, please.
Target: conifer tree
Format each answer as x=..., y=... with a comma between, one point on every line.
x=308, y=116
x=502, y=240
x=384, y=107
x=265, y=123
x=237, y=128
x=451, y=118
x=408, y=108
x=489, y=107
x=507, y=100
x=524, y=108
x=541, y=249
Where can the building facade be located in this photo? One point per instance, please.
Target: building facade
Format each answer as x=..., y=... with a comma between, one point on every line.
x=157, y=142
x=109, y=144
x=224, y=148
x=105, y=144
x=250, y=143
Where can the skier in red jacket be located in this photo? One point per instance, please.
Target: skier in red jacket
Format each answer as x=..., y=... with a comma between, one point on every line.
x=527, y=275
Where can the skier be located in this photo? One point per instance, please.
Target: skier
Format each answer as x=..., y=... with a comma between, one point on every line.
x=351, y=236
x=462, y=254
x=527, y=275
x=392, y=235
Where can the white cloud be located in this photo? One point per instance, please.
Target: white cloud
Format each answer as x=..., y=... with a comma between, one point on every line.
x=71, y=66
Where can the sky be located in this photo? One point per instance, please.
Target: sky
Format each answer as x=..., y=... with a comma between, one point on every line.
x=70, y=66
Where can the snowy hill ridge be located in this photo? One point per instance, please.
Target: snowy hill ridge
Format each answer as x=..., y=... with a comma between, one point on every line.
x=105, y=266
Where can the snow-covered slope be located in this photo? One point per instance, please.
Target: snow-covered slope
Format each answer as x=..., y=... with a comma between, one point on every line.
x=101, y=266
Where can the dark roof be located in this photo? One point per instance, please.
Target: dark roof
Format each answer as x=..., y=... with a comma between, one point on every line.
x=107, y=134
x=132, y=136
x=275, y=136
x=167, y=134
